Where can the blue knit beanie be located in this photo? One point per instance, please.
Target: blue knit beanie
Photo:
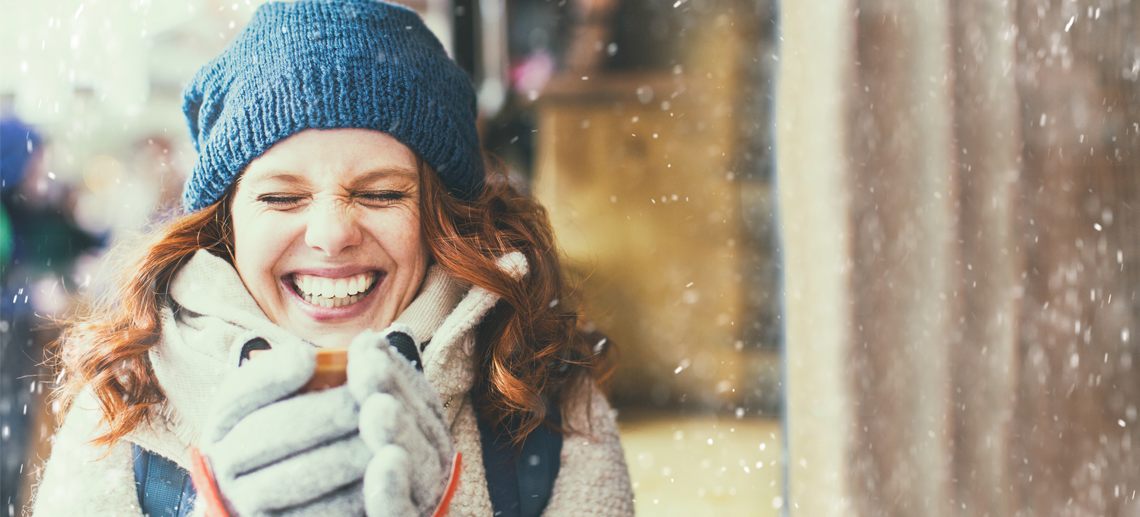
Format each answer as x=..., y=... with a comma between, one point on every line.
x=328, y=64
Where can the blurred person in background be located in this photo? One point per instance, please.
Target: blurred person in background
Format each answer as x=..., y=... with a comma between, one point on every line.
x=339, y=190
x=39, y=242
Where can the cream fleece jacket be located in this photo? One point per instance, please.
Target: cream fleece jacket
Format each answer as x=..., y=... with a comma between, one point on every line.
x=200, y=347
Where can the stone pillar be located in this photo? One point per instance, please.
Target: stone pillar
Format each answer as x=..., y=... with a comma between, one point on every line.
x=988, y=131
x=814, y=223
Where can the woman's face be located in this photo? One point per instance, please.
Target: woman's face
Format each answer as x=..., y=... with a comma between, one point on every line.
x=327, y=233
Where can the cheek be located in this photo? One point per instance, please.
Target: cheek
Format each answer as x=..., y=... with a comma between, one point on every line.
x=402, y=240
x=256, y=241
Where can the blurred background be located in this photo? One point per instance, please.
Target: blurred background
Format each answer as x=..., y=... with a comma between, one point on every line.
x=860, y=257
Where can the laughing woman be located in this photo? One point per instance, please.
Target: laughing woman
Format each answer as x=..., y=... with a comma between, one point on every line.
x=339, y=200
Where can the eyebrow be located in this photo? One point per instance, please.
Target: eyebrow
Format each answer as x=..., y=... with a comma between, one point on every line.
x=360, y=181
x=367, y=178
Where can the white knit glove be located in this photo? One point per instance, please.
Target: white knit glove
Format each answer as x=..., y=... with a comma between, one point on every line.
x=402, y=422
x=276, y=453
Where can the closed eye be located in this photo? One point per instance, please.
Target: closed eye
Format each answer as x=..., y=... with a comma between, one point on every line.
x=281, y=201
x=381, y=198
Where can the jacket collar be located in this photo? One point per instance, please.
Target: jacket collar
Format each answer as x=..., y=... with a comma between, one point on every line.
x=448, y=362
x=209, y=286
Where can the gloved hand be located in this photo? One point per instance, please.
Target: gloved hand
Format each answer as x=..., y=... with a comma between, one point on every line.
x=275, y=453
x=402, y=422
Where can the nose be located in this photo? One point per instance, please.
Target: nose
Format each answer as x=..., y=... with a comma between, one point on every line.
x=332, y=229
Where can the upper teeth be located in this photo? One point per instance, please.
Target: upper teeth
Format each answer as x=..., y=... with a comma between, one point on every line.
x=333, y=287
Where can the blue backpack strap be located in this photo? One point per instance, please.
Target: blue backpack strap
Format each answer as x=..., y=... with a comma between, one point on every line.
x=538, y=466
x=499, y=466
x=164, y=488
x=520, y=484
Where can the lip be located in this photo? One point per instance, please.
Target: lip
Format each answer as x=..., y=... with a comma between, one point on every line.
x=328, y=314
x=335, y=272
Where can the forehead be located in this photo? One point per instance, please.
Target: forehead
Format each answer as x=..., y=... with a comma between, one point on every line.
x=320, y=156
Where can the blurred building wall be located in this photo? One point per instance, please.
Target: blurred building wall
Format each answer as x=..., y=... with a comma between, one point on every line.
x=1078, y=78
x=965, y=344
x=661, y=201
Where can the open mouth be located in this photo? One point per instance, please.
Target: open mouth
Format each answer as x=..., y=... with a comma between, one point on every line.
x=333, y=292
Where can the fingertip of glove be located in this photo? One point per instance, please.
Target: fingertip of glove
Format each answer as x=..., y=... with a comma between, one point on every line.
x=285, y=362
x=394, y=455
x=367, y=339
x=378, y=420
x=273, y=375
x=380, y=404
x=387, y=490
x=367, y=371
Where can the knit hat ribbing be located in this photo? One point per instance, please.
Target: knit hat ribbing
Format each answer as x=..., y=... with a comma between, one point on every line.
x=329, y=64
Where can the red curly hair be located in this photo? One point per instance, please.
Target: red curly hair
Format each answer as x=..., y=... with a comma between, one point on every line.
x=531, y=354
